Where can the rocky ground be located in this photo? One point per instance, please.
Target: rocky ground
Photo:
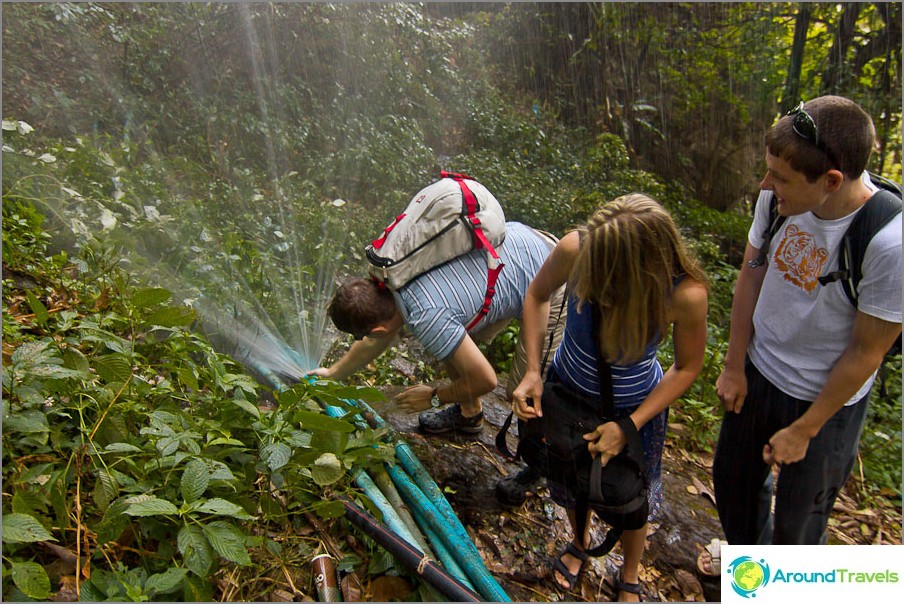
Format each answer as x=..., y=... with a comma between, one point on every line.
x=516, y=543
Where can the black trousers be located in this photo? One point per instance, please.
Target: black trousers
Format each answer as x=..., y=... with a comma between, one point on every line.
x=804, y=491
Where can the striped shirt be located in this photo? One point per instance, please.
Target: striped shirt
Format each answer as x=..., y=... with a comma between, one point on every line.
x=575, y=363
x=437, y=305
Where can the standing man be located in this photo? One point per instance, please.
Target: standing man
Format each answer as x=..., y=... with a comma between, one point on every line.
x=435, y=307
x=801, y=357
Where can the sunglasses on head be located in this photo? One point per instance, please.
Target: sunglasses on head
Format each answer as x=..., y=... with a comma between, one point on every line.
x=804, y=126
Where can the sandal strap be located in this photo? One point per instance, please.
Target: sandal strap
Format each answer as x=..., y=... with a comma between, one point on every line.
x=577, y=553
x=631, y=588
x=559, y=567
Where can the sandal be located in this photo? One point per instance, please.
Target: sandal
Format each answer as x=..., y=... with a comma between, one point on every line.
x=709, y=562
x=631, y=588
x=558, y=566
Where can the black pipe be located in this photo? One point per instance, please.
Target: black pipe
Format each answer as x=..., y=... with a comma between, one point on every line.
x=411, y=557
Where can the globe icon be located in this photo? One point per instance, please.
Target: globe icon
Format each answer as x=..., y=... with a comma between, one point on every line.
x=748, y=575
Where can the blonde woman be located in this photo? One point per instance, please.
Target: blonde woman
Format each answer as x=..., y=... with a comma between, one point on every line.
x=630, y=261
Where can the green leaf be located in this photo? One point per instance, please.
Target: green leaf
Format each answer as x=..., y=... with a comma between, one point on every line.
x=31, y=578
x=113, y=367
x=121, y=448
x=29, y=421
x=243, y=404
x=75, y=360
x=152, y=507
x=195, y=479
x=276, y=455
x=150, y=296
x=317, y=421
x=330, y=509
x=327, y=469
x=165, y=582
x=227, y=541
x=222, y=507
x=168, y=445
x=32, y=353
x=24, y=528
x=106, y=489
x=195, y=550
x=172, y=316
x=40, y=311
x=219, y=470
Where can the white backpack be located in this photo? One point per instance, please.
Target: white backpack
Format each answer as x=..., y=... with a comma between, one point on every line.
x=444, y=220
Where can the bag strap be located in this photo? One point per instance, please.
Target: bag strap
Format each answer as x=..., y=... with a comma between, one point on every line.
x=494, y=262
x=607, y=398
x=776, y=221
x=875, y=214
x=501, y=443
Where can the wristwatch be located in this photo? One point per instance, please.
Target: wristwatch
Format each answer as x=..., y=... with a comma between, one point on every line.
x=434, y=398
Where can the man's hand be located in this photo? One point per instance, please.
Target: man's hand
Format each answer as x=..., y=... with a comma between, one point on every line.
x=731, y=388
x=323, y=372
x=415, y=398
x=788, y=445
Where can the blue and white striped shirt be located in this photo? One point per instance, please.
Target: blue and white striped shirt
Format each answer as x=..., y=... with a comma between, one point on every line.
x=575, y=362
x=437, y=305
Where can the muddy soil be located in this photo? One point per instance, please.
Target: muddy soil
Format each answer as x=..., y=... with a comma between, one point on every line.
x=517, y=542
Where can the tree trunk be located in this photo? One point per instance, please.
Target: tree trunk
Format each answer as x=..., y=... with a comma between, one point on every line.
x=792, y=86
x=834, y=75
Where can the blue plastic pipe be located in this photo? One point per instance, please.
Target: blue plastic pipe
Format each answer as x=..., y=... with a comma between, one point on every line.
x=410, y=556
x=430, y=501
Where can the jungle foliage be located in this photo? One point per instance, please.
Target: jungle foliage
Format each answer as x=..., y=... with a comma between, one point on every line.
x=173, y=168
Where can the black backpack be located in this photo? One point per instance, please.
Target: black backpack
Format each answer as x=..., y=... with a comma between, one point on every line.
x=884, y=205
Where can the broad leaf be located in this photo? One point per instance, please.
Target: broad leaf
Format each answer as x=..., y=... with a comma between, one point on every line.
x=317, y=421
x=112, y=367
x=327, y=469
x=222, y=507
x=150, y=296
x=276, y=455
x=31, y=578
x=24, y=528
x=227, y=541
x=172, y=316
x=195, y=550
x=165, y=582
x=152, y=507
x=195, y=479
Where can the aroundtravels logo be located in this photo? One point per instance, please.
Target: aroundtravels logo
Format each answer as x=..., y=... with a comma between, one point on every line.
x=774, y=573
x=748, y=575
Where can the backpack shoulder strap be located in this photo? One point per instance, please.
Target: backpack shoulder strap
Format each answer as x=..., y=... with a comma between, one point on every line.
x=775, y=223
x=470, y=207
x=875, y=214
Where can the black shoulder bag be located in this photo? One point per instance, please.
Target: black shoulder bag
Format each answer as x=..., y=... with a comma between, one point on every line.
x=553, y=445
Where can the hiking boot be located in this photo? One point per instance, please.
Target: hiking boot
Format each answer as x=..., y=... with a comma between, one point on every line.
x=512, y=490
x=439, y=421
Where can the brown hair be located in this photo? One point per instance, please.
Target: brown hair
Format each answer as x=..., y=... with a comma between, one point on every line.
x=359, y=305
x=844, y=128
x=630, y=258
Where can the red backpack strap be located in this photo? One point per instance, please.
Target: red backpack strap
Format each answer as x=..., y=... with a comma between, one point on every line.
x=494, y=263
x=378, y=242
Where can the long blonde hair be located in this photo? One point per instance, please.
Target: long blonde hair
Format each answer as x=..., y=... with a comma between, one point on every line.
x=630, y=258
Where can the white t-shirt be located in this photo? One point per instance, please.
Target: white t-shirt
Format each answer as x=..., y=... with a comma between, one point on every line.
x=801, y=328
